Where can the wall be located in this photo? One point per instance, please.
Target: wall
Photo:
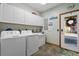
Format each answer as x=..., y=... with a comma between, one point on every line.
x=53, y=35
x=4, y=26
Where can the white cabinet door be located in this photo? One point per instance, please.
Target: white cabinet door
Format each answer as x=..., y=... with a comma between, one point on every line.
x=8, y=14
x=41, y=40
x=32, y=45
x=11, y=14
x=41, y=21
x=31, y=19
x=19, y=15
x=13, y=47
x=0, y=12
x=28, y=18
x=38, y=20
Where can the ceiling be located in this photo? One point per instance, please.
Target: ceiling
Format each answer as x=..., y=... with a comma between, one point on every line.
x=42, y=8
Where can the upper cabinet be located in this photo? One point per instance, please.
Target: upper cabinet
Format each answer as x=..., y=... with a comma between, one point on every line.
x=33, y=19
x=7, y=13
x=0, y=12
x=27, y=17
x=38, y=20
x=19, y=15
x=12, y=14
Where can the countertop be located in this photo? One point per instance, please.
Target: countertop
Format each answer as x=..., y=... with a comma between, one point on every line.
x=23, y=35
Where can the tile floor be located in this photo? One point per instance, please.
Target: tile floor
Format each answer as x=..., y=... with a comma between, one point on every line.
x=51, y=50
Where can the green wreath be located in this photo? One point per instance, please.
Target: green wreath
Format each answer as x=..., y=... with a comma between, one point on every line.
x=73, y=23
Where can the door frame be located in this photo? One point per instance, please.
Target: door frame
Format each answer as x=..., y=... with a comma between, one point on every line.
x=60, y=23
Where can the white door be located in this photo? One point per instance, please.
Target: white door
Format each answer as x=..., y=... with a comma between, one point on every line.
x=70, y=31
x=52, y=33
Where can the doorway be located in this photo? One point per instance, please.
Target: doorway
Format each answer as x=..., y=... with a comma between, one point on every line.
x=69, y=30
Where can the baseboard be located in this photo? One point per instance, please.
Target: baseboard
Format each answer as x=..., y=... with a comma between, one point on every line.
x=53, y=44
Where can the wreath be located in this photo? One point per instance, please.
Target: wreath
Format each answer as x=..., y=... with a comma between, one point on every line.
x=71, y=19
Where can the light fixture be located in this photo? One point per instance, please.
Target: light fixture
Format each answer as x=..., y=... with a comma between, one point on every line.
x=43, y=3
